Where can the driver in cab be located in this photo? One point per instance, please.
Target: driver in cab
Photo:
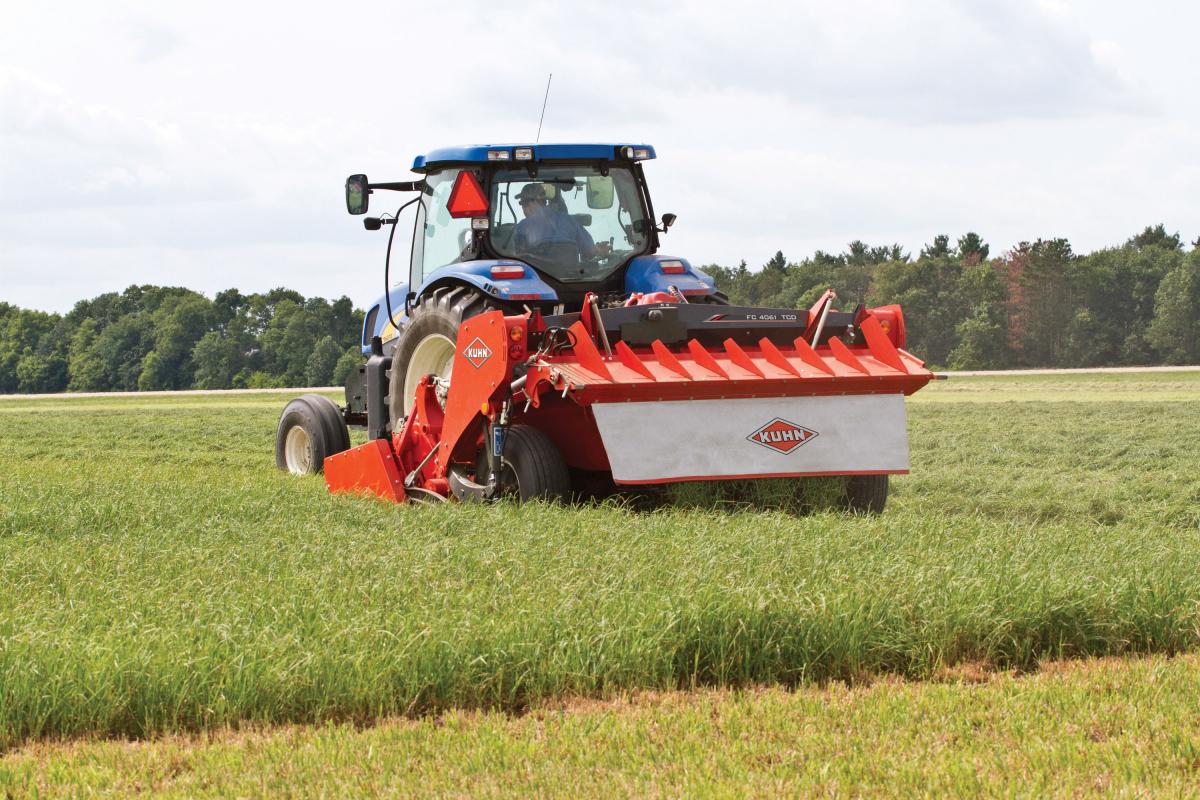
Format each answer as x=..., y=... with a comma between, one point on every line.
x=544, y=224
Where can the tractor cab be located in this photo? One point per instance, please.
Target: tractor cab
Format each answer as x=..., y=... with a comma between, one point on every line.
x=575, y=213
x=572, y=223
x=540, y=225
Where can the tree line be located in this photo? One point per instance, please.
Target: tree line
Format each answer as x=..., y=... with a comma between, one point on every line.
x=157, y=337
x=1039, y=304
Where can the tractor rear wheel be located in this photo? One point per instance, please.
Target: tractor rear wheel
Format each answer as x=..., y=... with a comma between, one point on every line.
x=532, y=467
x=866, y=494
x=427, y=345
x=310, y=429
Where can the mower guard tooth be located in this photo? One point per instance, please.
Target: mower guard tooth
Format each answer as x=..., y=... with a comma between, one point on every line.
x=734, y=370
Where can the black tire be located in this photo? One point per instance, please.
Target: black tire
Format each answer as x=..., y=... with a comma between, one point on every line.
x=533, y=468
x=335, y=422
x=319, y=432
x=438, y=314
x=866, y=494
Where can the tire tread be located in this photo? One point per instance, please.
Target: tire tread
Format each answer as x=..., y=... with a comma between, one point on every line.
x=540, y=459
x=867, y=494
x=453, y=305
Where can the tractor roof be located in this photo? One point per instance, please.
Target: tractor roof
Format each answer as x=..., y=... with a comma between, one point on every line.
x=540, y=152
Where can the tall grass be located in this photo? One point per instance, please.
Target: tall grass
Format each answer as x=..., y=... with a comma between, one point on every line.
x=157, y=573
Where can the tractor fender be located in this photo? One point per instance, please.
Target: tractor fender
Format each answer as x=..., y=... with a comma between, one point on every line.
x=477, y=274
x=376, y=322
x=525, y=289
x=646, y=274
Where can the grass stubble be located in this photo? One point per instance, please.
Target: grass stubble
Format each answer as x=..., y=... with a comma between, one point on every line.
x=160, y=577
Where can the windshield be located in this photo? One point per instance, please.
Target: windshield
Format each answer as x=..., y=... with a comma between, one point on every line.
x=444, y=239
x=571, y=222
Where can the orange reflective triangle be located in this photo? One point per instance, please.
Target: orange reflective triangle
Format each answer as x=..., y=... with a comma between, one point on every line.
x=467, y=198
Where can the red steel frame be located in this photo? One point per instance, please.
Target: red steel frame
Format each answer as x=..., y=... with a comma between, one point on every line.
x=560, y=388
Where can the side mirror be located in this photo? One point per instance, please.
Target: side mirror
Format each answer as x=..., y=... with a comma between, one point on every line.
x=357, y=191
x=667, y=221
x=600, y=191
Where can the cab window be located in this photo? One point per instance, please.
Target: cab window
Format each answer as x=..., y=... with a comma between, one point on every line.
x=571, y=222
x=442, y=239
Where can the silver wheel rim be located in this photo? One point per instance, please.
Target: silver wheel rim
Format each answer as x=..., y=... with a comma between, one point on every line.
x=297, y=452
x=434, y=356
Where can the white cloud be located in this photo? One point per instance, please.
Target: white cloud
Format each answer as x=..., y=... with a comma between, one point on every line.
x=151, y=40
x=206, y=144
x=916, y=63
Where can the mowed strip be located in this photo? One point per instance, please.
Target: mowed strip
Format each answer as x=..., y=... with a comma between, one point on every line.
x=161, y=576
x=1107, y=727
x=1176, y=385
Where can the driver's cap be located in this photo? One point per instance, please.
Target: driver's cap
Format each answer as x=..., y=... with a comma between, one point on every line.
x=532, y=191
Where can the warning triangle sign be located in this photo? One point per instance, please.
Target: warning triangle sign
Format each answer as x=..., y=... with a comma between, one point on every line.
x=467, y=198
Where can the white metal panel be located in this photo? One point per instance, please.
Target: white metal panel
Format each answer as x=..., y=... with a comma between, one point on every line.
x=650, y=442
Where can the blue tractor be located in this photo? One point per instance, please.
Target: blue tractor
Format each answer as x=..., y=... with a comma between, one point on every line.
x=541, y=339
x=512, y=227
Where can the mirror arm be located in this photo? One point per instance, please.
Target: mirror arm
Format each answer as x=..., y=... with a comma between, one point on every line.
x=399, y=186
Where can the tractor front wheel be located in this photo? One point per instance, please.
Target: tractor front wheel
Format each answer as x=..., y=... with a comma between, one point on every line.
x=427, y=346
x=310, y=429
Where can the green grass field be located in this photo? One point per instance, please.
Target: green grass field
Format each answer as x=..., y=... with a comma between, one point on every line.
x=160, y=577
x=1107, y=728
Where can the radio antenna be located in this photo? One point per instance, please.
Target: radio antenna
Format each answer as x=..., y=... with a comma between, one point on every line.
x=543, y=116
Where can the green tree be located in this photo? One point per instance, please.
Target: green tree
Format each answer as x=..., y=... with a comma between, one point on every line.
x=227, y=305
x=179, y=322
x=982, y=338
x=218, y=358
x=318, y=371
x=85, y=367
x=1117, y=287
x=346, y=365
x=938, y=248
x=286, y=341
x=122, y=347
x=1083, y=345
x=980, y=343
x=42, y=373
x=972, y=249
x=25, y=334
x=1156, y=236
x=777, y=263
x=928, y=291
x=1175, y=330
x=346, y=322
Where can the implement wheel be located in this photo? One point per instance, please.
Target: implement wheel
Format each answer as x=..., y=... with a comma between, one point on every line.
x=427, y=345
x=310, y=429
x=866, y=494
x=532, y=468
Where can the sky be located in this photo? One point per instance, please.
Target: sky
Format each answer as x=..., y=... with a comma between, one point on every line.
x=206, y=144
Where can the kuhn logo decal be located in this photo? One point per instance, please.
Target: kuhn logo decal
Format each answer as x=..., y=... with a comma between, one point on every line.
x=477, y=352
x=782, y=436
